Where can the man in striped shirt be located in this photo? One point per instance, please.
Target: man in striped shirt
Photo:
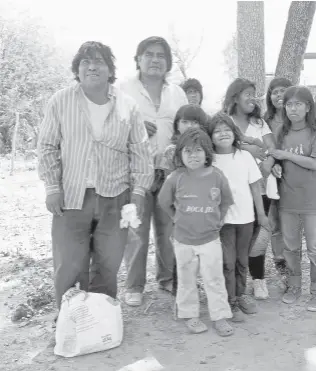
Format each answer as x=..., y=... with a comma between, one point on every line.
x=93, y=158
x=159, y=101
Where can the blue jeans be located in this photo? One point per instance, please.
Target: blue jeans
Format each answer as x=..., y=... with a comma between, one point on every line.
x=291, y=229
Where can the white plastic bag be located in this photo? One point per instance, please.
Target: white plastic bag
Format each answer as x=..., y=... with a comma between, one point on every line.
x=87, y=323
x=310, y=357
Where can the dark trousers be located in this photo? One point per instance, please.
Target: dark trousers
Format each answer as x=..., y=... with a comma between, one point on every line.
x=256, y=264
x=136, y=252
x=71, y=236
x=235, y=239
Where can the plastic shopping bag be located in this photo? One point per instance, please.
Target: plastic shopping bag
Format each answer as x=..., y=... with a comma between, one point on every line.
x=87, y=323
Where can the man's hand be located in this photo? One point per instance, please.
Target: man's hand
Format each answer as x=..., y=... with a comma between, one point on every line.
x=139, y=201
x=257, y=152
x=55, y=203
x=277, y=170
x=151, y=128
x=263, y=220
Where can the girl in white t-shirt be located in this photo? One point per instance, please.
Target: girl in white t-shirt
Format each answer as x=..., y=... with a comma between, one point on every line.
x=241, y=104
x=244, y=177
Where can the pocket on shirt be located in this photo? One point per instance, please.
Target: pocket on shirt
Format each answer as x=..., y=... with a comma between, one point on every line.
x=116, y=135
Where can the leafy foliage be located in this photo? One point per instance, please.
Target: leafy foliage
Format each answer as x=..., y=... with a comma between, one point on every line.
x=31, y=70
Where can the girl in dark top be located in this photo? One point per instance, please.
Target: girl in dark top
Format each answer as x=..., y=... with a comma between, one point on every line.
x=274, y=118
x=297, y=143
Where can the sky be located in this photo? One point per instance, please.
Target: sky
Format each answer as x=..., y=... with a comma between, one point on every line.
x=122, y=24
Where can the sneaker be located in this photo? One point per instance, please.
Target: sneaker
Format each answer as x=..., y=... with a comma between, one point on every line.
x=260, y=289
x=311, y=305
x=238, y=315
x=134, y=299
x=291, y=295
x=246, y=304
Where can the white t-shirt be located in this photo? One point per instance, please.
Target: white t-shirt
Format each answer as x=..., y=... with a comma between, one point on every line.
x=98, y=114
x=241, y=170
x=257, y=130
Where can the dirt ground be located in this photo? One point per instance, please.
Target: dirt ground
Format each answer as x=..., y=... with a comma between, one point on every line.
x=273, y=339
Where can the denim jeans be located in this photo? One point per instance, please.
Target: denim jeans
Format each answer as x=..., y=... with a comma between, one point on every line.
x=291, y=229
x=236, y=240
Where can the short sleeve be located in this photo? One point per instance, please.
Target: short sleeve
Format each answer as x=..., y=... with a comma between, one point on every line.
x=254, y=174
x=265, y=129
x=313, y=147
x=226, y=193
x=167, y=158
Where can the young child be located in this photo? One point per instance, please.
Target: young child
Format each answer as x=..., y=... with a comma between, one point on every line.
x=244, y=177
x=240, y=103
x=188, y=116
x=274, y=118
x=197, y=196
x=297, y=143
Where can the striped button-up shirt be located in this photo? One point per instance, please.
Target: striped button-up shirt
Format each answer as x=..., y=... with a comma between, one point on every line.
x=66, y=143
x=172, y=98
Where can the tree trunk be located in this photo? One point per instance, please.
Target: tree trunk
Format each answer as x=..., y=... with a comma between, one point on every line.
x=15, y=134
x=250, y=43
x=298, y=26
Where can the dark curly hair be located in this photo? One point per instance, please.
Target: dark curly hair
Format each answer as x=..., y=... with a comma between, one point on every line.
x=191, y=138
x=233, y=92
x=89, y=49
x=303, y=94
x=223, y=118
x=188, y=112
x=271, y=110
x=143, y=45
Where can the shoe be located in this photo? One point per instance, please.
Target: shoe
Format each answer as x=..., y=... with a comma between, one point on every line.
x=291, y=295
x=134, y=299
x=311, y=305
x=246, y=304
x=196, y=326
x=223, y=328
x=260, y=289
x=238, y=315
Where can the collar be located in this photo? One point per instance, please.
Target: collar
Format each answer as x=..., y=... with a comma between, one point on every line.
x=111, y=92
x=165, y=81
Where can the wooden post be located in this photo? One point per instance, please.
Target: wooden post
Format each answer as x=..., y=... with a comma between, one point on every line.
x=14, y=137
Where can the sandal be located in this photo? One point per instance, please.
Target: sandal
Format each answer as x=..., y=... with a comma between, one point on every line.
x=223, y=328
x=196, y=326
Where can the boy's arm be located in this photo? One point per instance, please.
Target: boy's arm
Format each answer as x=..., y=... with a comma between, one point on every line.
x=166, y=196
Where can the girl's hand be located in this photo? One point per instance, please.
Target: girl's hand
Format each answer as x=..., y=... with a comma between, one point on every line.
x=278, y=154
x=257, y=152
x=277, y=170
x=265, y=168
x=263, y=220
